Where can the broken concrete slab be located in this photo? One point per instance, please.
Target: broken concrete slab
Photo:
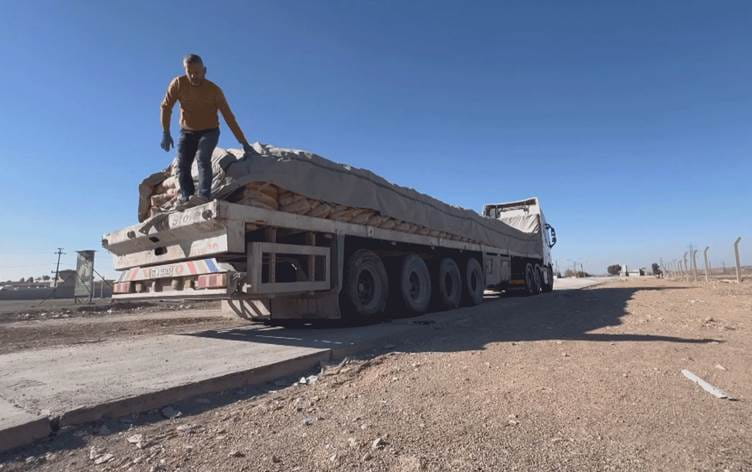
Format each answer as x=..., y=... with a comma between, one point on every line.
x=19, y=427
x=83, y=383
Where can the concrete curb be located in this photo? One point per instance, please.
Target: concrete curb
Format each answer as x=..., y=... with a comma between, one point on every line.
x=246, y=378
x=24, y=433
x=28, y=432
x=20, y=427
x=152, y=400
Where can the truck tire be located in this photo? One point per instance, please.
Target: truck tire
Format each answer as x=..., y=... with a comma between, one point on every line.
x=366, y=286
x=548, y=286
x=448, y=285
x=414, y=284
x=530, y=288
x=475, y=283
x=538, y=273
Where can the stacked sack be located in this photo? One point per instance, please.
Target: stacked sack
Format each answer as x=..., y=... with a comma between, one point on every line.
x=159, y=194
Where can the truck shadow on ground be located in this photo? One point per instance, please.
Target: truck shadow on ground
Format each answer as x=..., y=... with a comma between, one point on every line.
x=560, y=315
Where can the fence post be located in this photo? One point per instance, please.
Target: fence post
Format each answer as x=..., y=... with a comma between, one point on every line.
x=738, y=262
x=707, y=264
x=686, y=266
x=694, y=265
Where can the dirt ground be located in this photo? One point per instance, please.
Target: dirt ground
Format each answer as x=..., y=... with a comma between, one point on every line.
x=65, y=324
x=572, y=380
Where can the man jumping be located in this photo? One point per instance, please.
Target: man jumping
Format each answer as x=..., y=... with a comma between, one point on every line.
x=200, y=99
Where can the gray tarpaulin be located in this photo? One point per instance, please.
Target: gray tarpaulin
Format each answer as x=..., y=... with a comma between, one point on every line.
x=318, y=178
x=527, y=223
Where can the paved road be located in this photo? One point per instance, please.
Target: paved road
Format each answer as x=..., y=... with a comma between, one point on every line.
x=82, y=383
x=576, y=284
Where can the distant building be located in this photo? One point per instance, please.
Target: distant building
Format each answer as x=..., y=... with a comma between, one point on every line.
x=66, y=278
x=626, y=272
x=25, y=285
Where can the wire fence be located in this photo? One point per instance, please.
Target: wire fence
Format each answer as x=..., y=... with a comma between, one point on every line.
x=686, y=266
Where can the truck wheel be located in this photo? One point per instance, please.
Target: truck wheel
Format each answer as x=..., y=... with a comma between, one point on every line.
x=448, y=285
x=538, y=273
x=548, y=286
x=475, y=283
x=415, y=283
x=530, y=288
x=366, y=286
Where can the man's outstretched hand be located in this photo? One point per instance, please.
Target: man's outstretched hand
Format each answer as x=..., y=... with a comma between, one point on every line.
x=167, y=141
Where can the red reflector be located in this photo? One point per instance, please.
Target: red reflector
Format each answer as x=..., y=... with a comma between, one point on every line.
x=212, y=281
x=121, y=287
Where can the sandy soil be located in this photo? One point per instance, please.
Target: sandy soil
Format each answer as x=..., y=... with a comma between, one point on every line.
x=573, y=380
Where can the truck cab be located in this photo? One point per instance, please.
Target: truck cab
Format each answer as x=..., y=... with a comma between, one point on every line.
x=527, y=216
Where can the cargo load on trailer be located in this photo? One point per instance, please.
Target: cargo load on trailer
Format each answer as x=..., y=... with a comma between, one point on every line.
x=291, y=234
x=304, y=183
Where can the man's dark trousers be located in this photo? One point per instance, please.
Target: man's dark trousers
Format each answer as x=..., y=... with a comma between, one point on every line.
x=197, y=145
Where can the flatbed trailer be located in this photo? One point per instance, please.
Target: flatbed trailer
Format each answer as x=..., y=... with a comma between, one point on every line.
x=266, y=263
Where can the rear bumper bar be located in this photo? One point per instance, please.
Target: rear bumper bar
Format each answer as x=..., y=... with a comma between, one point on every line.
x=219, y=294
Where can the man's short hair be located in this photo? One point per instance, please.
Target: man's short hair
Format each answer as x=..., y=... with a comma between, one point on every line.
x=192, y=59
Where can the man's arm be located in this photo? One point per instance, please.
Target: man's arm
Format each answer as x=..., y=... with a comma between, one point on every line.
x=166, y=114
x=224, y=107
x=167, y=103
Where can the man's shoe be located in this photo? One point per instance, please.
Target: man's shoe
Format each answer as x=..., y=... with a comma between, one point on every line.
x=183, y=203
x=197, y=200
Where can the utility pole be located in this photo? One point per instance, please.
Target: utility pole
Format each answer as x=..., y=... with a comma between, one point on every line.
x=57, y=267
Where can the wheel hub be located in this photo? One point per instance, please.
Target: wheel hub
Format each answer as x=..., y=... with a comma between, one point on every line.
x=414, y=281
x=365, y=287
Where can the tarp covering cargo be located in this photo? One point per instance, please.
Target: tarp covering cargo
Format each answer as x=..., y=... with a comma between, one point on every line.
x=525, y=222
x=305, y=183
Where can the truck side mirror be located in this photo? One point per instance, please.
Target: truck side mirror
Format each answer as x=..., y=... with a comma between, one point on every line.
x=552, y=232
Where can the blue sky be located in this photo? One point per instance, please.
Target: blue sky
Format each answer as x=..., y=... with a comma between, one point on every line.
x=632, y=121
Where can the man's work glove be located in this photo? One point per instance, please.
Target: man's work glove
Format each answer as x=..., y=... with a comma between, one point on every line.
x=167, y=141
x=248, y=150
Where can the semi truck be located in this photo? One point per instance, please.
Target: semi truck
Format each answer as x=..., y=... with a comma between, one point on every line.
x=267, y=263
